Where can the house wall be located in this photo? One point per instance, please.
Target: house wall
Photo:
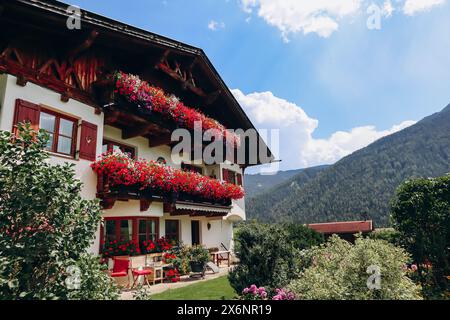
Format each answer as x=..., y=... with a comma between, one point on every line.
x=221, y=230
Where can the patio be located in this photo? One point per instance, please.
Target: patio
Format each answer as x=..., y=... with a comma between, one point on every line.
x=185, y=281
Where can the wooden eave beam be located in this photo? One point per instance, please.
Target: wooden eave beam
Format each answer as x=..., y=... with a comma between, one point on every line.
x=212, y=97
x=159, y=141
x=145, y=204
x=84, y=45
x=137, y=131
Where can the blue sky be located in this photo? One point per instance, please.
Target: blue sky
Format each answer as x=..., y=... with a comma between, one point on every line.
x=313, y=69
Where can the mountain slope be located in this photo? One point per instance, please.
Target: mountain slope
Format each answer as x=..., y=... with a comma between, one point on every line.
x=362, y=184
x=257, y=183
x=266, y=199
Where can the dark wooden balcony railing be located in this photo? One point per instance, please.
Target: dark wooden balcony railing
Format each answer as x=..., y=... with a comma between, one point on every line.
x=110, y=194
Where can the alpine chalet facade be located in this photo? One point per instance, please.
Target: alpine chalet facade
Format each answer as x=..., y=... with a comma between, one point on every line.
x=95, y=91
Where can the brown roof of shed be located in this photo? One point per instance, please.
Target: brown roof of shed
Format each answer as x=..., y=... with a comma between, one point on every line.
x=342, y=227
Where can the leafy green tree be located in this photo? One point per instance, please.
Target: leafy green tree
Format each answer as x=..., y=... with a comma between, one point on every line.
x=302, y=237
x=421, y=213
x=388, y=234
x=342, y=271
x=269, y=254
x=45, y=226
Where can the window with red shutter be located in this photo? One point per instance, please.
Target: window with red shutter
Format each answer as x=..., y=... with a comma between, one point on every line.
x=26, y=112
x=62, y=129
x=88, y=141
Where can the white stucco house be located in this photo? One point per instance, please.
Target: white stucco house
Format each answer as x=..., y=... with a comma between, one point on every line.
x=59, y=80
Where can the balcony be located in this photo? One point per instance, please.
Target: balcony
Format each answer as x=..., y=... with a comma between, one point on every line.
x=183, y=193
x=140, y=109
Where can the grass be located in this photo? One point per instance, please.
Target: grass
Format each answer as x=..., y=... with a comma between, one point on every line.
x=216, y=289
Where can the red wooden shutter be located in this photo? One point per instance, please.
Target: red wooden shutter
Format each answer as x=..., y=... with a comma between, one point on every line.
x=26, y=112
x=239, y=179
x=225, y=175
x=88, y=141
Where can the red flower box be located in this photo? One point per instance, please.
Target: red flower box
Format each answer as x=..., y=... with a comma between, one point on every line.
x=123, y=171
x=148, y=97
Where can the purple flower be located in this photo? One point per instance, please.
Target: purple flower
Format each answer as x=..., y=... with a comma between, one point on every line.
x=263, y=295
x=253, y=289
x=245, y=290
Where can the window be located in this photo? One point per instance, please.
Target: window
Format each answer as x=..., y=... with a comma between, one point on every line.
x=191, y=168
x=62, y=132
x=110, y=146
x=173, y=230
x=231, y=177
x=148, y=230
x=118, y=229
x=130, y=228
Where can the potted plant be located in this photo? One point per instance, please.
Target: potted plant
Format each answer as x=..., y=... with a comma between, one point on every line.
x=198, y=257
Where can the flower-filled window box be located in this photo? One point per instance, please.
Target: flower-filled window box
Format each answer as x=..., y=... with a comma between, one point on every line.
x=121, y=172
x=151, y=100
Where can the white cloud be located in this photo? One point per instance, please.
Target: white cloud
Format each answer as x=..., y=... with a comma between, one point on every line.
x=411, y=7
x=324, y=16
x=214, y=25
x=388, y=9
x=307, y=16
x=298, y=147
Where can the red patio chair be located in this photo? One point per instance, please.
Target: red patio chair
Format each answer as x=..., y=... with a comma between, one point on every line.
x=120, y=269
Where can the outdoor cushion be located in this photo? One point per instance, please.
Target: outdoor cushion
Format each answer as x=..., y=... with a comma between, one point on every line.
x=119, y=274
x=142, y=272
x=121, y=265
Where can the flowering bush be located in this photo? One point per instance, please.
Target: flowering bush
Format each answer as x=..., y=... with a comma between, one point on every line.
x=122, y=170
x=121, y=248
x=339, y=271
x=169, y=257
x=158, y=246
x=173, y=275
x=46, y=226
x=155, y=99
x=282, y=294
x=255, y=293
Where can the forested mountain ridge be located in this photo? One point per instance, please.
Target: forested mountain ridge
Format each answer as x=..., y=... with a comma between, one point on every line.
x=259, y=183
x=361, y=185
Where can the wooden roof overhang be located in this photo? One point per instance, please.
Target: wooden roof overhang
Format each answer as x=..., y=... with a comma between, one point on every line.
x=346, y=227
x=36, y=46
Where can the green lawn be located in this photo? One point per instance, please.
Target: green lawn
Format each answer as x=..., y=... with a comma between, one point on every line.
x=217, y=289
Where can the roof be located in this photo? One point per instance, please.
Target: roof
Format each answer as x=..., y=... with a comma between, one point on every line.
x=342, y=227
x=58, y=10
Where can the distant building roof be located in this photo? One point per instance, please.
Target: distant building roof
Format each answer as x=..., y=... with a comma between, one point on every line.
x=342, y=227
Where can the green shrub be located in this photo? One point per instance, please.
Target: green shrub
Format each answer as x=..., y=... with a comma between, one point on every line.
x=301, y=236
x=198, y=254
x=45, y=226
x=421, y=213
x=339, y=271
x=269, y=255
x=388, y=234
x=181, y=262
